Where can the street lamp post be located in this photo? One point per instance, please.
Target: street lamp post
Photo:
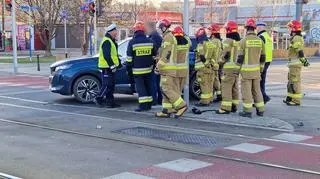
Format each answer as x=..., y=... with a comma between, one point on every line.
x=186, y=29
x=14, y=38
x=299, y=5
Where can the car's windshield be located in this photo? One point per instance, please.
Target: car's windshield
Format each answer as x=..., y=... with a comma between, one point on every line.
x=122, y=49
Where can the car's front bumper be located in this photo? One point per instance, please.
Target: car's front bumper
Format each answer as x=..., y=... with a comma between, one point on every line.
x=59, y=83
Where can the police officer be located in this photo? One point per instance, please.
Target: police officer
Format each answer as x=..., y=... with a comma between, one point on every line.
x=141, y=51
x=216, y=39
x=108, y=64
x=251, y=59
x=205, y=52
x=230, y=77
x=267, y=40
x=172, y=66
x=296, y=61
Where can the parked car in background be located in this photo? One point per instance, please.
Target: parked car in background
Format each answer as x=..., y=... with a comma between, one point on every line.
x=80, y=77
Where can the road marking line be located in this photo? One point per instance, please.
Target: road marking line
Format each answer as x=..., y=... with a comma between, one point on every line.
x=198, y=119
x=8, y=176
x=248, y=148
x=184, y=165
x=127, y=175
x=24, y=92
x=292, y=137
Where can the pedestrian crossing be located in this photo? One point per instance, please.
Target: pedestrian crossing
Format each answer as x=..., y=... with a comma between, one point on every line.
x=266, y=152
x=26, y=81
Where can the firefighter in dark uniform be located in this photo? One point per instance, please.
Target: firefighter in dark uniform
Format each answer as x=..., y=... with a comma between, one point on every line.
x=108, y=64
x=141, y=52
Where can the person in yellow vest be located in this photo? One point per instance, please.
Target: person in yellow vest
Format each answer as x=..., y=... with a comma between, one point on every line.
x=216, y=39
x=268, y=44
x=172, y=66
x=296, y=61
x=204, y=66
x=251, y=58
x=230, y=70
x=108, y=63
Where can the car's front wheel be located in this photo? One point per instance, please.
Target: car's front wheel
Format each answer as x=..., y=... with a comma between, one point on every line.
x=194, y=87
x=86, y=88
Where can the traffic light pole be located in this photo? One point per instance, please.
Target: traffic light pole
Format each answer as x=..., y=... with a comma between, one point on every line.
x=95, y=32
x=186, y=30
x=14, y=37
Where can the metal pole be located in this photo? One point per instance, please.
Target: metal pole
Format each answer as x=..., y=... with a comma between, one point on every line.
x=65, y=37
x=14, y=37
x=38, y=62
x=29, y=22
x=3, y=34
x=95, y=32
x=186, y=30
x=299, y=5
x=90, y=39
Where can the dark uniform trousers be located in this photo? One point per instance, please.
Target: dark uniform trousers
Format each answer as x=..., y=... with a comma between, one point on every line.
x=144, y=86
x=108, y=85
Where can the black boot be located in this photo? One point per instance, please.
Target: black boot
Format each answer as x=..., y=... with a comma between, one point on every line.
x=218, y=99
x=287, y=100
x=234, y=108
x=201, y=105
x=99, y=101
x=113, y=105
x=259, y=113
x=245, y=114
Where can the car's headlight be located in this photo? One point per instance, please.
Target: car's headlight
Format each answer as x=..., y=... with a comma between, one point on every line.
x=63, y=67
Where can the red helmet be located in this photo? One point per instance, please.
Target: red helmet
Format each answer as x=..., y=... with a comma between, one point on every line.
x=251, y=23
x=295, y=25
x=215, y=28
x=231, y=27
x=139, y=26
x=201, y=31
x=164, y=23
x=178, y=31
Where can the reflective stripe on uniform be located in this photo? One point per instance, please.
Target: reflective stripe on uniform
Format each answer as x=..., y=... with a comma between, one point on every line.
x=247, y=105
x=139, y=71
x=177, y=67
x=250, y=68
x=178, y=102
x=199, y=65
x=218, y=92
x=237, y=102
x=206, y=96
x=129, y=59
x=226, y=103
x=145, y=99
x=296, y=96
x=231, y=65
x=253, y=43
x=259, y=105
x=167, y=105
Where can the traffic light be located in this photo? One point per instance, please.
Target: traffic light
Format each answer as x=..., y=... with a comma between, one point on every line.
x=92, y=9
x=8, y=5
x=305, y=1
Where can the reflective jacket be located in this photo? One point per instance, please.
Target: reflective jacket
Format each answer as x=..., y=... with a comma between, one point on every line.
x=174, y=55
x=108, y=53
x=141, y=52
x=205, y=52
x=265, y=37
x=251, y=56
x=296, y=45
x=229, y=56
x=217, y=55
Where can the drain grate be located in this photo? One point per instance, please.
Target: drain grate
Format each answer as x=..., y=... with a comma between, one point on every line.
x=169, y=136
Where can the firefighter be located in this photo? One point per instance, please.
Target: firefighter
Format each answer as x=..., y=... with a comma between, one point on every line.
x=108, y=64
x=230, y=77
x=205, y=52
x=172, y=66
x=251, y=58
x=141, y=52
x=296, y=61
x=267, y=40
x=216, y=39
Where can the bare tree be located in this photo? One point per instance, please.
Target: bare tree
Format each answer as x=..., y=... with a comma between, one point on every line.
x=260, y=6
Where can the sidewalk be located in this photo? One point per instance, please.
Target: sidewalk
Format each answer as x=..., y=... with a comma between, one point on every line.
x=30, y=68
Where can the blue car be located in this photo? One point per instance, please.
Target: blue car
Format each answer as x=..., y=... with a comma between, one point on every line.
x=80, y=77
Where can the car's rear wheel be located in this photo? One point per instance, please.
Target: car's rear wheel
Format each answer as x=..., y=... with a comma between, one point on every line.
x=195, y=87
x=86, y=88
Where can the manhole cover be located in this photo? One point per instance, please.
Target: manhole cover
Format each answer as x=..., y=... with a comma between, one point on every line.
x=169, y=136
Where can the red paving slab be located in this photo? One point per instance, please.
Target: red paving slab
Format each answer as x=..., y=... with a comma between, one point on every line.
x=224, y=169
x=25, y=80
x=314, y=140
x=289, y=155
